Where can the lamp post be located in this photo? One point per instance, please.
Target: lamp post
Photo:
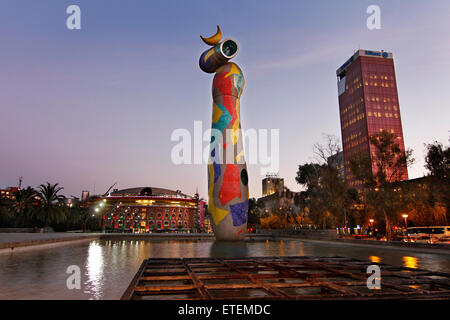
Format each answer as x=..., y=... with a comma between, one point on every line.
x=405, y=216
x=371, y=222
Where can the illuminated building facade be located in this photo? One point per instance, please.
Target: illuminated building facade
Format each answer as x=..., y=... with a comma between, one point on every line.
x=272, y=184
x=145, y=210
x=368, y=104
x=8, y=193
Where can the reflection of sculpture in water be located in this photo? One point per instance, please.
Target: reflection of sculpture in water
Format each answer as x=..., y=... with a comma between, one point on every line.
x=228, y=249
x=227, y=170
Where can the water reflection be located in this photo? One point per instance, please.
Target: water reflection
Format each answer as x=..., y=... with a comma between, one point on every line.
x=109, y=266
x=94, y=271
x=228, y=249
x=410, y=262
x=301, y=251
x=281, y=248
x=375, y=259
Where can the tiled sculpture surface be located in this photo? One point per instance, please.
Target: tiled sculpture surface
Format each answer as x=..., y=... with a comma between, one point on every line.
x=227, y=170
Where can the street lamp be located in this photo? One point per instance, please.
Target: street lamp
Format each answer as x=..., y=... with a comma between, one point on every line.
x=372, y=221
x=405, y=216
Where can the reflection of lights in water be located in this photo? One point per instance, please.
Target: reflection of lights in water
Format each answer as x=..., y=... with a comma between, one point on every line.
x=301, y=252
x=282, y=252
x=94, y=269
x=375, y=259
x=410, y=262
x=175, y=249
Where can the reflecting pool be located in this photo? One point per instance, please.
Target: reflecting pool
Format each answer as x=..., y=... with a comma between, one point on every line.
x=107, y=266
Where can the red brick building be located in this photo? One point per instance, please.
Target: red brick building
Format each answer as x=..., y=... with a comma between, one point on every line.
x=368, y=104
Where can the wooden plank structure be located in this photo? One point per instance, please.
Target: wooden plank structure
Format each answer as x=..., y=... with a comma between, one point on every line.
x=290, y=277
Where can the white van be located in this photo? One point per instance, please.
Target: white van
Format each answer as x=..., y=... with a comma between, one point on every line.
x=432, y=233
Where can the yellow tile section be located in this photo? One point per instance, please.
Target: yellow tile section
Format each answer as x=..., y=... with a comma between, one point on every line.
x=235, y=128
x=217, y=113
x=209, y=54
x=233, y=70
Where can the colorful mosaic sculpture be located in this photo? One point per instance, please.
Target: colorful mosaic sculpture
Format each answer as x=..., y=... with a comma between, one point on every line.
x=227, y=170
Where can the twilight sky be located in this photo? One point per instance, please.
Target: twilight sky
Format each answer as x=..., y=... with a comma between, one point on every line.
x=89, y=107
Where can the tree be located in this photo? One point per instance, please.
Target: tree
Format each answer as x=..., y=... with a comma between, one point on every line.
x=424, y=209
x=381, y=177
x=437, y=161
x=51, y=208
x=23, y=205
x=253, y=211
x=5, y=216
x=271, y=222
x=326, y=191
x=309, y=175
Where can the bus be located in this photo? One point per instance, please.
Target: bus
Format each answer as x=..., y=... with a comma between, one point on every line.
x=436, y=232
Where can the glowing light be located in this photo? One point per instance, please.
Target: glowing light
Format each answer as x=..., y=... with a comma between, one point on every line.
x=410, y=262
x=94, y=266
x=375, y=259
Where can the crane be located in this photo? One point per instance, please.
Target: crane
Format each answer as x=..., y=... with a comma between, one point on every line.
x=110, y=188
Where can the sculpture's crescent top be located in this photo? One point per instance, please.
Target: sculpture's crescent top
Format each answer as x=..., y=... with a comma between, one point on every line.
x=215, y=39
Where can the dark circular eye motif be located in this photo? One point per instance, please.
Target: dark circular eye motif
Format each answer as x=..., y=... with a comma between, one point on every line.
x=244, y=177
x=229, y=48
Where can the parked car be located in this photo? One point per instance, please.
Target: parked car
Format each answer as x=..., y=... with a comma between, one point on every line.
x=425, y=239
x=444, y=240
x=409, y=239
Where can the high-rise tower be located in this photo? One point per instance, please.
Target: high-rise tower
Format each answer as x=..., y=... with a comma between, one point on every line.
x=368, y=104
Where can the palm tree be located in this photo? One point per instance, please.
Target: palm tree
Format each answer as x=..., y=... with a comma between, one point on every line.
x=22, y=205
x=4, y=212
x=51, y=207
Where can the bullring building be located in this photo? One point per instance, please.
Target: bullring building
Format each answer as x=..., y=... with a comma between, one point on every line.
x=148, y=209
